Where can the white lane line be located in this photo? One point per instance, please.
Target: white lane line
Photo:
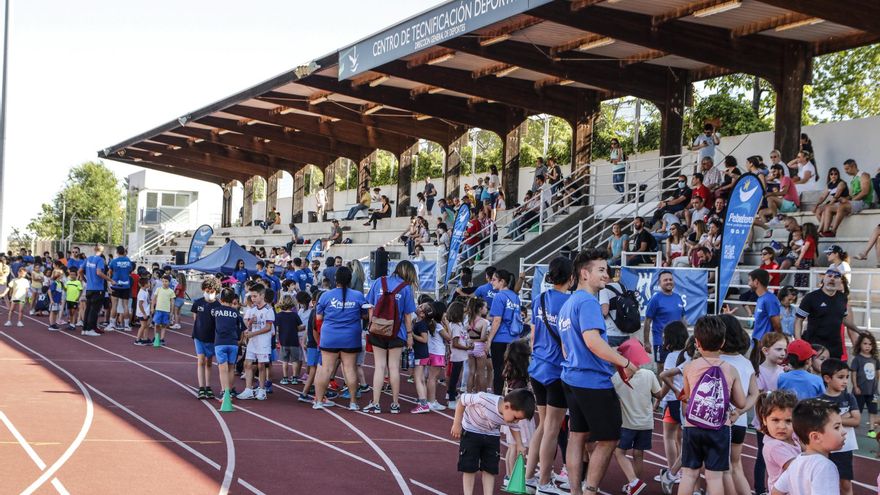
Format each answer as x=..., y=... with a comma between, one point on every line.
x=426, y=487
x=250, y=487
x=436, y=437
x=83, y=431
x=31, y=452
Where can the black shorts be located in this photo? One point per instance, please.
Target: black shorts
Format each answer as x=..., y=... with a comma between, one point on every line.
x=347, y=350
x=394, y=343
x=478, y=452
x=635, y=439
x=72, y=304
x=602, y=423
x=673, y=408
x=844, y=463
x=867, y=400
x=709, y=448
x=121, y=293
x=549, y=395
x=738, y=434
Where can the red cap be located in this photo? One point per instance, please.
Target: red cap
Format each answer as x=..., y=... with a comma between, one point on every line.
x=633, y=350
x=802, y=349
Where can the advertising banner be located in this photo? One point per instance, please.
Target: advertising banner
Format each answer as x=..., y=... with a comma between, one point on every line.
x=198, y=243
x=427, y=271
x=458, y=228
x=691, y=285
x=745, y=200
x=315, y=250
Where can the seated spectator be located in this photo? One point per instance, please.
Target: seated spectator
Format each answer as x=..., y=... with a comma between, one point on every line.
x=363, y=205
x=447, y=213
x=768, y=263
x=730, y=175
x=755, y=165
x=703, y=258
x=783, y=199
x=271, y=219
x=717, y=212
x=296, y=237
x=808, y=179
x=616, y=243
x=699, y=189
x=835, y=191
x=697, y=211
x=713, y=178
x=676, y=247
x=712, y=238
x=418, y=254
x=776, y=159
x=678, y=202
x=500, y=204
x=641, y=242
x=524, y=217
x=861, y=196
x=384, y=211
x=335, y=236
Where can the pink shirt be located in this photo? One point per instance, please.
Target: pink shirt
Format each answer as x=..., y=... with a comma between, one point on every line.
x=776, y=454
x=767, y=379
x=792, y=194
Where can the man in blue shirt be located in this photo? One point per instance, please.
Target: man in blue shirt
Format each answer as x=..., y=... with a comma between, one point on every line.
x=664, y=307
x=586, y=374
x=120, y=289
x=486, y=291
x=73, y=261
x=93, y=271
x=273, y=281
x=768, y=311
x=303, y=274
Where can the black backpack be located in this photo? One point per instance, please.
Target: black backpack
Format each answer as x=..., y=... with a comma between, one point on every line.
x=625, y=304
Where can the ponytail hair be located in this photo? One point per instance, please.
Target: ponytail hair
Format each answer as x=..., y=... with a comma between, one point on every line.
x=768, y=340
x=343, y=280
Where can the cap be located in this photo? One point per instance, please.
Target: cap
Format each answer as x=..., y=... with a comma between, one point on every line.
x=834, y=248
x=802, y=349
x=633, y=350
x=833, y=270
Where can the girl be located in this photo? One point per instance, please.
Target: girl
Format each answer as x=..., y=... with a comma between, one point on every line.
x=241, y=275
x=675, y=337
x=865, y=365
x=37, y=278
x=458, y=355
x=822, y=354
x=438, y=336
x=425, y=315
x=516, y=376
x=787, y=296
x=780, y=447
x=807, y=257
x=479, y=366
x=506, y=324
x=770, y=356
x=179, y=299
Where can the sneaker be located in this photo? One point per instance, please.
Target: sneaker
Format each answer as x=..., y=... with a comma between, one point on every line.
x=436, y=406
x=330, y=394
x=111, y=327
x=420, y=409
x=54, y=328
x=562, y=477
x=353, y=407
x=233, y=393
x=635, y=489
x=668, y=481
x=532, y=484
x=268, y=386
x=323, y=405
x=293, y=380
x=550, y=489
x=248, y=394
x=394, y=409
x=79, y=323
x=209, y=393
x=90, y=333
x=20, y=324
x=505, y=481
x=347, y=395
x=284, y=381
x=451, y=404
x=362, y=389
x=373, y=408
x=261, y=393
x=202, y=395
x=138, y=342
x=161, y=341
x=386, y=388
x=311, y=390
x=333, y=385
x=7, y=324
x=31, y=312
x=308, y=399
x=176, y=326
x=410, y=379
x=99, y=330
x=872, y=434
x=659, y=477
x=71, y=327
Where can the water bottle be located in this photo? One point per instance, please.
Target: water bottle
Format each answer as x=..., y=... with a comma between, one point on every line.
x=404, y=360
x=412, y=359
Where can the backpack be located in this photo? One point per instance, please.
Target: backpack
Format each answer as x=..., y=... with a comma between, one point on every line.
x=385, y=322
x=625, y=304
x=709, y=400
x=516, y=328
x=42, y=303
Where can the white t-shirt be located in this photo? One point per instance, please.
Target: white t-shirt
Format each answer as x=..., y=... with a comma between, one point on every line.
x=605, y=297
x=19, y=289
x=436, y=344
x=809, y=474
x=637, y=403
x=709, y=150
x=457, y=355
x=260, y=344
x=677, y=380
x=143, y=298
x=746, y=371
x=812, y=184
x=493, y=184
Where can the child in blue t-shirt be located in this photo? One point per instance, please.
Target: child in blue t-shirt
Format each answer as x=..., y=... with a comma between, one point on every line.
x=804, y=384
x=228, y=327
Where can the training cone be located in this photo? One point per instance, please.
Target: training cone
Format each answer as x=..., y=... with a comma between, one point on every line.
x=227, y=402
x=517, y=483
x=156, y=341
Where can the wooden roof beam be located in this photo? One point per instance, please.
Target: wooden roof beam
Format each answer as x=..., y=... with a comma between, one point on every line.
x=218, y=160
x=143, y=159
x=642, y=57
x=246, y=148
x=584, y=41
x=690, y=9
x=583, y=4
x=859, y=14
x=186, y=165
x=432, y=56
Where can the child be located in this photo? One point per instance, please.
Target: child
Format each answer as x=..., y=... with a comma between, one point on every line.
x=771, y=354
x=779, y=448
x=458, y=355
x=478, y=420
x=516, y=376
x=787, y=296
x=675, y=339
x=289, y=325
x=425, y=315
x=142, y=311
x=179, y=298
x=438, y=335
x=638, y=419
x=203, y=334
x=821, y=355
x=161, y=308
x=37, y=278
x=269, y=297
x=313, y=354
x=479, y=364
x=18, y=293
x=708, y=447
x=227, y=329
x=804, y=385
x=56, y=295
x=865, y=365
x=42, y=303
x=259, y=321
x=817, y=425
x=835, y=373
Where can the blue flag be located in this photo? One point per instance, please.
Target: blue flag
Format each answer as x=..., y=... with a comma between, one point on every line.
x=458, y=228
x=691, y=285
x=198, y=243
x=745, y=200
x=315, y=250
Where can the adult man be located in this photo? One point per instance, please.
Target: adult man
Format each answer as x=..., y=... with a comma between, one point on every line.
x=333, y=265
x=302, y=274
x=363, y=205
x=697, y=211
x=120, y=290
x=430, y=194
x=712, y=177
x=586, y=374
x=776, y=158
x=93, y=271
x=73, y=261
x=446, y=211
x=664, y=307
x=335, y=236
x=641, y=242
x=679, y=200
x=705, y=143
x=540, y=171
x=825, y=310
x=767, y=309
x=861, y=192
x=785, y=199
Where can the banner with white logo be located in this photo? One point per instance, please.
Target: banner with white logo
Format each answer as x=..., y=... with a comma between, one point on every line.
x=745, y=200
x=198, y=243
x=458, y=229
x=691, y=285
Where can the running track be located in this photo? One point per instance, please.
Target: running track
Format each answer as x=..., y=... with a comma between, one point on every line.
x=100, y=415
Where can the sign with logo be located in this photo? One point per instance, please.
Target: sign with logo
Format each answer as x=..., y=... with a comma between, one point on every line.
x=429, y=28
x=198, y=243
x=458, y=229
x=315, y=250
x=426, y=270
x=691, y=285
x=745, y=200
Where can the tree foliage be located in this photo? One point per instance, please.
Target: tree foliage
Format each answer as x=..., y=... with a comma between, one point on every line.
x=737, y=116
x=614, y=122
x=846, y=84
x=18, y=239
x=92, y=192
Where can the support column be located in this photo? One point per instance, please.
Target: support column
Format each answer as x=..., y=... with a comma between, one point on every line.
x=404, y=180
x=272, y=192
x=298, y=196
x=796, y=72
x=452, y=169
x=226, y=210
x=248, y=203
x=364, y=178
x=330, y=184
x=510, y=175
x=672, y=123
x=582, y=141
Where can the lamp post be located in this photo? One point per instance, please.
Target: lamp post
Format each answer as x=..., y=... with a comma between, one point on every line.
x=3, y=115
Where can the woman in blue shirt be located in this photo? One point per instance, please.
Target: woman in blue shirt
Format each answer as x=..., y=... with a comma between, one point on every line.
x=506, y=325
x=240, y=274
x=339, y=316
x=545, y=368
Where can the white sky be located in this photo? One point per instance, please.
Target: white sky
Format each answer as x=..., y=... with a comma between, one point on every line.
x=84, y=75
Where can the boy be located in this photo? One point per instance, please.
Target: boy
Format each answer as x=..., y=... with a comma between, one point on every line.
x=142, y=311
x=161, y=308
x=289, y=325
x=638, y=419
x=56, y=293
x=705, y=446
x=18, y=293
x=259, y=322
x=478, y=420
x=73, y=290
x=818, y=425
x=227, y=331
x=835, y=374
x=203, y=335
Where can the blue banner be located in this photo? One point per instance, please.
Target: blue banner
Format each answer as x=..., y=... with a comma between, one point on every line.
x=427, y=271
x=458, y=228
x=315, y=250
x=538, y=284
x=745, y=200
x=692, y=285
x=198, y=243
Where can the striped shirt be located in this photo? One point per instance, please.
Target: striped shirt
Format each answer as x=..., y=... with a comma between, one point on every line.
x=481, y=414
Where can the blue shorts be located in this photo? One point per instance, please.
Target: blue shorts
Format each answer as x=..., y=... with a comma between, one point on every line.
x=226, y=354
x=313, y=356
x=162, y=318
x=635, y=439
x=178, y=302
x=709, y=448
x=204, y=348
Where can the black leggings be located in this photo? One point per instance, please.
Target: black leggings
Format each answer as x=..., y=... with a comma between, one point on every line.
x=94, y=301
x=376, y=216
x=498, y=349
x=760, y=467
x=452, y=385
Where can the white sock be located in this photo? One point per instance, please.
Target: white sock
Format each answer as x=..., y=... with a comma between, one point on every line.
x=126, y=323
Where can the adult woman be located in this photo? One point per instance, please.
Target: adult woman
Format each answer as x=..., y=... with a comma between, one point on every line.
x=768, y=262
x=241, y=275
x=339, y=314
x=835, y=191
x=545, y=370
x=838, y=259
x=617, y=157
x=384, y=211
x=493, y=185
x=506, y=324
x=358, y=276
x=386, y=352
x=500, y=205
x=808, y=178
x=676, y=247
x=421, y=208
x=616, y=242
x=712, y=238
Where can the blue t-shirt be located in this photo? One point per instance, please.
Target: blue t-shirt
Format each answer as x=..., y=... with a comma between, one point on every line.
x=203, y=327
x=581, y=368
x=290, y=275
x=93, y=281
x=240, y=275
x=663, y=309
x=406, y=302
x=546, y=363
x=506, y=305
x=420, y=349
x=274, y=284
x=304, y=278
x=120, y=268
x=74, y=264
x=330, y=275
x=767, y=307
x=228, y=325
x=804, y=384
x=343, y=324
x=486, y=292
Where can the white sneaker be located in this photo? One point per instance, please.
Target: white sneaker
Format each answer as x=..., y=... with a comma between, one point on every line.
x=175, y=327
x=79, y=323
x=31, y=312
x=451, y=404
x=436, y=406
x=7, y=324
x=20, y=324
x=550, y=489
x=323, y=405
x=247, y=394
x=354, y=407
x=110, y=328
x=90, y=333
x=261, y=393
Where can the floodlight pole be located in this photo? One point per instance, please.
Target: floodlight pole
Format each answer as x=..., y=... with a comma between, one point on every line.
x=3, y=116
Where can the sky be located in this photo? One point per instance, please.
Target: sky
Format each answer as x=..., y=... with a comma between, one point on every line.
x=85, y=75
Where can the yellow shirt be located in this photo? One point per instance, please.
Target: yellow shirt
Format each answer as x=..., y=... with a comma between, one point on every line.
x=163, y=299
x=365, y=199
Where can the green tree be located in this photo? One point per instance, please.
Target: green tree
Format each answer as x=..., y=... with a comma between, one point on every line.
x=736, y=115
x=383, y=170
x=259, y=189
x=616, y=121
x=846, y=85
x=92, y=193
x=18, y=240
x=428, y=162
x=558, y=142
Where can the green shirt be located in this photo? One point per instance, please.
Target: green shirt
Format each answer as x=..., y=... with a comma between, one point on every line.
x=855, y=187
x=163, y=299
x=74, y=289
